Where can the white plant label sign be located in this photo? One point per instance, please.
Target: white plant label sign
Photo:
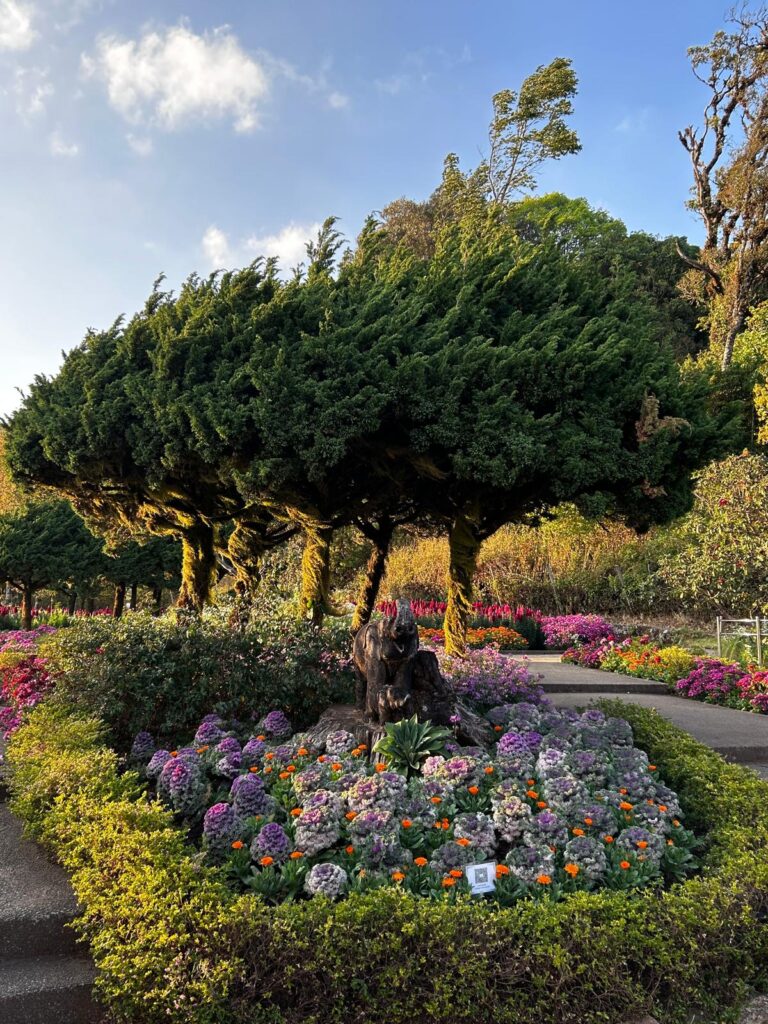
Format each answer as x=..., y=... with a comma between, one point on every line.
x=481, y=877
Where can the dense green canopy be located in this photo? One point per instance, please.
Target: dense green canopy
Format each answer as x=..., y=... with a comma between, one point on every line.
x=504, y=373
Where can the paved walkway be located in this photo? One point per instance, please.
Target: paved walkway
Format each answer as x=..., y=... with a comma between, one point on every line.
x=738, y=735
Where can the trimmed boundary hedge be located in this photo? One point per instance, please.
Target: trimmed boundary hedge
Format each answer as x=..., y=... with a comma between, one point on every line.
x=174, y=944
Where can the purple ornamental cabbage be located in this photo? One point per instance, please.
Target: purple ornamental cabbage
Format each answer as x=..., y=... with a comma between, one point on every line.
x=157, y=763
x=326, y=880
x=249, y=797
x=221, y=827
x=182, y=785
x=276, y=725
x=273, y=842
x=253, y=752
x=143, y=747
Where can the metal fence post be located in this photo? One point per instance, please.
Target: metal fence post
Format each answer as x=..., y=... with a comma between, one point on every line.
x=759, y=641
x=719, y=636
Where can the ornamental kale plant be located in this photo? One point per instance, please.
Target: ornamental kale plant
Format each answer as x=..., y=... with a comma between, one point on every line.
x=561, y=802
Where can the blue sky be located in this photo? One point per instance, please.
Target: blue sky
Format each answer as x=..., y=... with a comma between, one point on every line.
x=146, y=137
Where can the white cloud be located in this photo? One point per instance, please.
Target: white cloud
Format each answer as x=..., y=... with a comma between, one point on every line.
x=288, y=246
x=216, y=248
x=170, y=77
x=16, y=25
x=32, y=90
x=338, y=101
x=140, y=144
x=60, y=147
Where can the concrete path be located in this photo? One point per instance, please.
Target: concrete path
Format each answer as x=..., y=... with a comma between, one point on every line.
x=44, y=974
x=738, y=735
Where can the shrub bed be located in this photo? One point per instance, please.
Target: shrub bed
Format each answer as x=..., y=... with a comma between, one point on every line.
x=174, y=944
x=162, y=674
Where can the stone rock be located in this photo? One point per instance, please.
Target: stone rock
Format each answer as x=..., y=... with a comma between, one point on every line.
x=755, y=1011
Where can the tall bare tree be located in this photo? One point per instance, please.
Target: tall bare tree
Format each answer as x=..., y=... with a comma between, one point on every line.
x=730, y=178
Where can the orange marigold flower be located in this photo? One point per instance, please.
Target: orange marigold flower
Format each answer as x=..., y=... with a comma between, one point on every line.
x=623, y=791
x=498, y=728
x=202, y=750
x=571, y=869
x=356, y=752
x=349, y=849
x=262, y=737
x=501, y=869
x=676, y=823
x=578, y=831
x=269, y=756
x=541, y=804
x=380, y=766
x=670, y=842
x=624, y=806
x=588, y=821
x=463, y=842
x=532, y=794
x=238, y=844
x=268, y=769
x=406, y=822
x=284, y=775
x=266, y=861
x=291, y=768
x=474, y=790
x=398, y=876
x=421, y=862
x=607, y=839
x=436, y=800
x=651, y=767
x=544, y=880
x=455, y=873
x=663, y=807
x=254, y=769
x=362, y=746
x=448, y=882
x=296, y=811
x=625, y=865
x=531, y=782
x=350, y=815
x=446, y=823
x=302, y=752
x=642, y=843
x=322, y=758
x=488, y=770
x=336, y=766
x=174, y=753
x=296, y=855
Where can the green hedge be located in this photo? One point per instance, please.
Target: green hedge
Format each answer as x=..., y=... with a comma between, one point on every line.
x=174, y=944
x=162, y=675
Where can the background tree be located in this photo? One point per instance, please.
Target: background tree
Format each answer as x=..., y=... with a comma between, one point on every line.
x=723, y=563
x=730, y=190
x=44, y=545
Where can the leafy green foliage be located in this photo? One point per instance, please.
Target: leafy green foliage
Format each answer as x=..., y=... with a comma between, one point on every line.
x=173, y=944
x=723, y=564
x=148, y=673
x=409, y=742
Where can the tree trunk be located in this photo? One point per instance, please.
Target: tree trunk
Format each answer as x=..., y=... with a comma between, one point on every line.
x=245, y=549
x=134, y=596
x=374, y=573
x=157, y=597
x=198, y=568
x=27, y=595
x=314, y=599
x=734, y=328
x=89, y=605
x=72, y=602
x=118, y=604
x=464, y=546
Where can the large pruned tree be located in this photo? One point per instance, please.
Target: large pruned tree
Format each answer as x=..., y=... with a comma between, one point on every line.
x=728, y=156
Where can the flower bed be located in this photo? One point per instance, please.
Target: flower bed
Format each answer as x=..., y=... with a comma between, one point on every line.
x=174, y=943
x=501, y=637
x=25, y=678
x=707, y=679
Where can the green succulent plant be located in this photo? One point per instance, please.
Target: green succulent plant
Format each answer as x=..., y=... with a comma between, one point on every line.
x=408, y=743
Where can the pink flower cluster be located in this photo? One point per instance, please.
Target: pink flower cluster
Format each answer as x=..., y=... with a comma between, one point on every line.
x=717, y=682
x=22, y=686
x=565, y=630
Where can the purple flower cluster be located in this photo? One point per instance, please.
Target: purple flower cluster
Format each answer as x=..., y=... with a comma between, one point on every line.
x=487, y=678
x=711, y=680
